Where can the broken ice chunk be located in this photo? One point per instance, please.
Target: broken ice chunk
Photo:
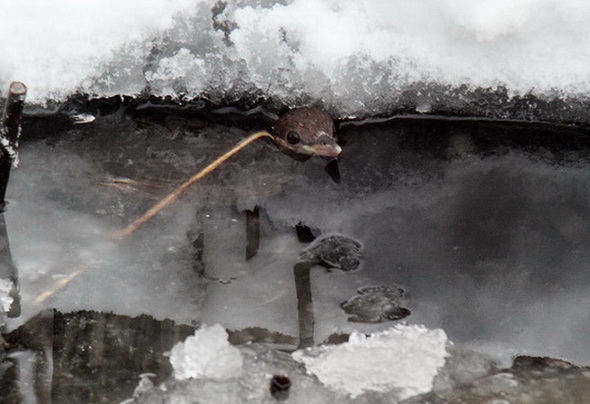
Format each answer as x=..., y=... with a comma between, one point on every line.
x=5, y=298
x=402, y=358
x=206, y=355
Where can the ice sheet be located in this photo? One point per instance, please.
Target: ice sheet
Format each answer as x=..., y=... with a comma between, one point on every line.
x=207, y=354
x=492, y=248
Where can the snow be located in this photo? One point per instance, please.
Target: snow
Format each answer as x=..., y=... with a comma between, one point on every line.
x=58, y=47
x=401, y=361
x=405, y=358
x=353, y=57
x=207, y=354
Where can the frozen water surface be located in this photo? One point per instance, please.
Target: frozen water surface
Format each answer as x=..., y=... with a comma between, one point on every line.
x=482, y=223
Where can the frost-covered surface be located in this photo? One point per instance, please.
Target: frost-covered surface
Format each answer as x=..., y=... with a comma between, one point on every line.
x=207, y=354
x=402, y=358
x=356, y=58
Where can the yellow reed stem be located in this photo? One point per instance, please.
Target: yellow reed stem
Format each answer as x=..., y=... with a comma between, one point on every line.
x=57, y=286
x=174, y=195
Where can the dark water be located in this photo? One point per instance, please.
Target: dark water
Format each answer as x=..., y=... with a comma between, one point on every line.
x=484, y=224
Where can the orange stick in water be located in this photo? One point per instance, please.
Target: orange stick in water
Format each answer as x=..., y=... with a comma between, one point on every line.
x=154, y=210
x=173, y=196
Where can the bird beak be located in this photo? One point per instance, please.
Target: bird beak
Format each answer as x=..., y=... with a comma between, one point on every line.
x=325, y=146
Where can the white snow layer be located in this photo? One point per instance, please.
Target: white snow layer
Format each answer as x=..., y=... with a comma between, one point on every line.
x=206, y=355
x=349, y=54
x=403, y=358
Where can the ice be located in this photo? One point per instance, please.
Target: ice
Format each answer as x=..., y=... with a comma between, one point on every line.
x=384, y=367
x=59, y=223
x=5, y=299
x=354, y=58
x=509, y=282
x=206, y=355
x=402, y=358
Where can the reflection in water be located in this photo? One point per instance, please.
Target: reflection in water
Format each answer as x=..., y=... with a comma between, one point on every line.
x=10, y=128
x=304, y=304
x=85, y=356
x=8, y=271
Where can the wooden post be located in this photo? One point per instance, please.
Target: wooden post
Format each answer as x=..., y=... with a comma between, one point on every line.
x=10, y=132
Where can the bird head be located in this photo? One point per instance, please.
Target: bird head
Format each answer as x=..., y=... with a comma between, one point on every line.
x=305, y=132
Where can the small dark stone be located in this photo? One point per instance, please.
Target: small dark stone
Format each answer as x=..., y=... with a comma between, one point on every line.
x=280, y=386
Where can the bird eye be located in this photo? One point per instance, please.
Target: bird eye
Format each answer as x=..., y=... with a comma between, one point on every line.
x=293, y=137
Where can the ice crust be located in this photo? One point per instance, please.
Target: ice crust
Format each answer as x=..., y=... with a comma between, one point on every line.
x=5, y=299
x=207, y=355
x=405, y=358
x=355, y=57
x=399, y=362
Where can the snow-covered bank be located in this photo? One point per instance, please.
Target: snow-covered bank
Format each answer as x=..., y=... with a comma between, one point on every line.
x=356, y=59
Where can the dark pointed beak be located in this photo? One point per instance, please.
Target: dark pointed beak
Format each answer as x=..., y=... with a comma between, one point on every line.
x=325, y=146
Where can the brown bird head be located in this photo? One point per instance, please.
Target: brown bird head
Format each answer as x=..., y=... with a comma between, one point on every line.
x=305, y=132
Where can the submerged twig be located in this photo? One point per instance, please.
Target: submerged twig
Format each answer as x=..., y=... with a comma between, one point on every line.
x=57, y=286
x=170, y=198
x=174, y=195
